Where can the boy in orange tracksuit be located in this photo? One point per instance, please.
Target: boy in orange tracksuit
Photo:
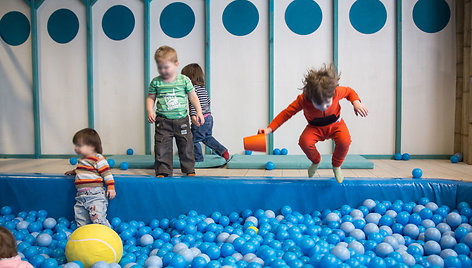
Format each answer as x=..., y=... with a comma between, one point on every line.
x=320, y=104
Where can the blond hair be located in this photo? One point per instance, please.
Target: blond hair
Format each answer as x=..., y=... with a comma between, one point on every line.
x=319, y=84
x=165, y=53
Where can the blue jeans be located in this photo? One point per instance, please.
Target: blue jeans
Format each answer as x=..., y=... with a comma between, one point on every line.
x=204, y=134
x=91, y=207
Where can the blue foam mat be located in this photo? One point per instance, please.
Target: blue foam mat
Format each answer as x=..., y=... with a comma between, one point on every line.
x=295, y=162
x=145, y=198
x=147, y=161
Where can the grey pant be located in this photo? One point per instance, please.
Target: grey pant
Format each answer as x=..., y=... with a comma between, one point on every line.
x=166, y=129
x=91, y=207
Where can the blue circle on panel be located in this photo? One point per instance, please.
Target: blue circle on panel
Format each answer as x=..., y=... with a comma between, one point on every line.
x=431, y=16
x=14, y=28
x=63, y=26
x=118, y=22
x=303, y=17
x=240, y=17
x=177, y=20
x=368, y=16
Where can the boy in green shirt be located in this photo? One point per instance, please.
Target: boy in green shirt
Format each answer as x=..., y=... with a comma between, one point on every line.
x=171, y=90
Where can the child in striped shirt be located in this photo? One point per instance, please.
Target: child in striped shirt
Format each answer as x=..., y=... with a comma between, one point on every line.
x=202, y=133
x=91, y=172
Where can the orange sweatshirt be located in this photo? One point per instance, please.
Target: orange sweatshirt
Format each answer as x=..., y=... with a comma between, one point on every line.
x=311, y=113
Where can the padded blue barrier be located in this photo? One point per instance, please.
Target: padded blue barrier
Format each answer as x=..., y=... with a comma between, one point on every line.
x=147, y=161
x=144, y=198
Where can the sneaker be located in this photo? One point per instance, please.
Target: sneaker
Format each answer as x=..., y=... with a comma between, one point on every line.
x=226, y=155
x=191, y=174
x=161, y=175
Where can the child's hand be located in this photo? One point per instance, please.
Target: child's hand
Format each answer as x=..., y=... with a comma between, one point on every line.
x=200, y=119
x=194, y=119
x=266, y=131
x=70, y=172
x=111, y=194
x=151, y=117
x=360, y=109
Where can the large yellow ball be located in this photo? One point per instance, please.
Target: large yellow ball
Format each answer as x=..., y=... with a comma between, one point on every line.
x=94, y=242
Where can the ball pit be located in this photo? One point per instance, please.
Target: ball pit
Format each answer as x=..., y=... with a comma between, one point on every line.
x=374, y=234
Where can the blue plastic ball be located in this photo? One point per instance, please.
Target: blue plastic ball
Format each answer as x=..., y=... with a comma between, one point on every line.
x=73, y=160
x=124, y=165
x=130, y=151
x=37, y=260
x=406, y=156
x=199, y=262
x=276, y=151
x=270, y=165
x=284, y=151
x=49, y=263
x=454, y=159
x=111, y=162
x=417, y=173
x=247, y=152
x=452, y=261
x=398, y=156
x=178, y=261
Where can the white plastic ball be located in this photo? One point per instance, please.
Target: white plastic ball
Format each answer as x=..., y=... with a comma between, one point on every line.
x=187, y=254
x=279, y=218
x=435, y=260
x=355, y=213
x=209, y=220
x=418, y=208
x=153, y=261
x=391, y=213
x=392, y=241
x=332, y=217
x=369, y=203
x=432, y=206
x=358, y=234
x=370, y=228
x=373, y=218
x=252, y=219
x=237, y=256
x=179, y=246
x=347, y=227
x=146, y=240
x=248, y=257
x=231, y=238
x=383, y=249
x=222, y=237
x=205, y=257
x=448, y=252
x=341, y=252
x=443, y=227
x=386, y=229
x=269, y=214
x=408, y=259
x=357, y=247
x=195, y=251
x=432, y=234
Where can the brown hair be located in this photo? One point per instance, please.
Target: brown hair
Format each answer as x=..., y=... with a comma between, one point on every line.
x=7, y=244
x=90, y=137
x=165, y=53
x=195, y=73
x=320, y=84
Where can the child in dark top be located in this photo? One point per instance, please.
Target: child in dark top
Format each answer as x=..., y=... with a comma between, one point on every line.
x=202, y=133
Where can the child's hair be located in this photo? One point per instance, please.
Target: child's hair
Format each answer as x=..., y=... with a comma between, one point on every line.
x=319, y=84
x=90, y=137
x=7, y=244
x=166, y=53
x=195, y=73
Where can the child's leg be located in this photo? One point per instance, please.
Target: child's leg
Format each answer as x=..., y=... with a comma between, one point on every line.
x=163, y=147
x=184, y=140
x=97, y=204
x=210, y=141
x=342, y=141
x=198, y=136
x=308, y=139
x=80, y=212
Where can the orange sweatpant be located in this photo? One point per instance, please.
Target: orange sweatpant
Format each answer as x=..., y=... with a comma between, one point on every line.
x=336, y=131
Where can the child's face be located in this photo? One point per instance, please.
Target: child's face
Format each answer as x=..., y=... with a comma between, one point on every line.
x=167, y=68
x=323, y=106
x=84, y=149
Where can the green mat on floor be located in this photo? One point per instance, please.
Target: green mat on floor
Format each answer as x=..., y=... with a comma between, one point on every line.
x=294, y=162
x=147, y=161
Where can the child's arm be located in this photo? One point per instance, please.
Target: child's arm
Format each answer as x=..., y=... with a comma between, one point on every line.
x=105, y=171
x=351, y=95
x=283, y=116
x=151, y=99
x=192, y=96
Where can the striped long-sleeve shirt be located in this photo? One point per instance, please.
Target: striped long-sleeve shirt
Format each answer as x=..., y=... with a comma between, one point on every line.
x=92, y=171
x=204, y=100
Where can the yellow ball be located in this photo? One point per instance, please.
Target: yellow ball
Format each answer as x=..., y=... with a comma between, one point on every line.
x=254, y=228
x=94, y=242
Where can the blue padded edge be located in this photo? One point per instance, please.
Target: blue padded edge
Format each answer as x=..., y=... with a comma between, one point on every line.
x=295, y=162
x=147, y=161
x=145, y=198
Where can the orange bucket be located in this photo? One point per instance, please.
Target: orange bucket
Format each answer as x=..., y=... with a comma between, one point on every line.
x=255, y=143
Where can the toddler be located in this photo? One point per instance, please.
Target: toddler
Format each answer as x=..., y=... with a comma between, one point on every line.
x=9, y=257
x=170, y=91
x=91, y=172
x=202, y=133
x=320, y=104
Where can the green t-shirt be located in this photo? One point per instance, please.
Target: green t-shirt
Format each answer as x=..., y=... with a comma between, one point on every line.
x=171, y=98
